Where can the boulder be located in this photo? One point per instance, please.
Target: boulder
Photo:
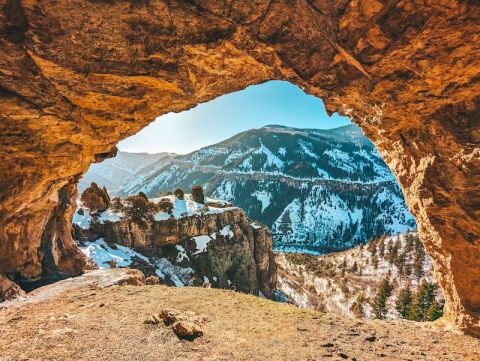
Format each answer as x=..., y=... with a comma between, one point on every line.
x=186, y=324
x=9, y=289
x=198, y=195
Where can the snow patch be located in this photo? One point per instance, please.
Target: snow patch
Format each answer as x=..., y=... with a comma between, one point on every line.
x=227, y=231
x=201, y=243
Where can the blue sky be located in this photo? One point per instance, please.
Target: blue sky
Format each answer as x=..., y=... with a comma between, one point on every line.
x=274, y=102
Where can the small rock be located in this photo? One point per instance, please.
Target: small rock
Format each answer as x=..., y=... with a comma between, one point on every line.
x=327, y=345
x=152, y=280
x=302, y=328
x=342, y=355
x=187, y=325
x=371, y=338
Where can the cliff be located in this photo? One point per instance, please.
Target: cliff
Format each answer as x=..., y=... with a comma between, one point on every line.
x=220, y=247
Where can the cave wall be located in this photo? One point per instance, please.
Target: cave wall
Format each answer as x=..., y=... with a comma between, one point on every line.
x=78, y=76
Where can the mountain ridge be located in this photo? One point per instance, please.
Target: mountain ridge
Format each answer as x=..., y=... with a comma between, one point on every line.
x=293, y=180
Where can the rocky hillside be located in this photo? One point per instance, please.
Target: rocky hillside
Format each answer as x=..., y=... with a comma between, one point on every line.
x=85, y=318
x=349, y=282
x=190, y=243
x=317, y=190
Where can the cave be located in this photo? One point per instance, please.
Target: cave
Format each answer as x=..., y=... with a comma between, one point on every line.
x=76, y=77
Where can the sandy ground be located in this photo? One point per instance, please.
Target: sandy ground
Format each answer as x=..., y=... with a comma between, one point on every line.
x=85, y=320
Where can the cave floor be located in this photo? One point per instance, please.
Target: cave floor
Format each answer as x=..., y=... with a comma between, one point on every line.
x=86, y=318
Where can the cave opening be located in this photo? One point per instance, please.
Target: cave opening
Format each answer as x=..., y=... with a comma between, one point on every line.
x=316, y=182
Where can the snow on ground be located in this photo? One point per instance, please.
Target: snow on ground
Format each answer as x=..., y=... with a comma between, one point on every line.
x=307, y=148
x=182, y=254
x=227, y=231
x=255, y=225
x=180, y=276
x=264, y=197
x=187, y=207
x=201, y=243
x=83, y=220
x=100, y=252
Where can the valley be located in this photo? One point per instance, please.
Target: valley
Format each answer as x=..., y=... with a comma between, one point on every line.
x=317, y=190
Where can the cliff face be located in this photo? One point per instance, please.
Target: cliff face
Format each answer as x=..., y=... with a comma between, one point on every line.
x=224, y=250
x=76, y=77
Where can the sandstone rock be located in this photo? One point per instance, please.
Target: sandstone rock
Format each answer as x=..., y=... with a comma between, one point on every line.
x=186, y=325
x=245, y=260
x=132, y=277
x=152, y=280
x=67, y=97
x=9, y=289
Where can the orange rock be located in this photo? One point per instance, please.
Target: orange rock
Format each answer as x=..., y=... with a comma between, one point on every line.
x=76, y=77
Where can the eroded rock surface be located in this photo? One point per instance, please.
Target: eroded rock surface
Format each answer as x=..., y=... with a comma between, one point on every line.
x=77, y=76
x=222, y=250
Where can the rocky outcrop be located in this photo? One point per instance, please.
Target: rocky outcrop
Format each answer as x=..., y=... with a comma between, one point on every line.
x=9, y=290
x=225, y=250
x=76, y=77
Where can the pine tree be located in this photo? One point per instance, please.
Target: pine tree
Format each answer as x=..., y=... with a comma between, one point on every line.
x=409, y=243
x=354, y=267
x=379, y=304
x=143, y=195
x=422, y=301
x=418, y=266
x=404, y=302
x=381, y=248
x=375, y=261
x=357, y=306
x=434, y=312
x=343, y=266
x=95, y=199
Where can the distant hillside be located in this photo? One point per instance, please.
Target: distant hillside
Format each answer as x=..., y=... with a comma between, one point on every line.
x=317, y=190
x=347, y=282
x=113, y=173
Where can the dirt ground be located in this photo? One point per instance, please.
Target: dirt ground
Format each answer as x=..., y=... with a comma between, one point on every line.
x=88, y=318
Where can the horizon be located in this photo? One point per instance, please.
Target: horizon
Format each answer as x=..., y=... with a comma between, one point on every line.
x=271, y=103
x=243, y=131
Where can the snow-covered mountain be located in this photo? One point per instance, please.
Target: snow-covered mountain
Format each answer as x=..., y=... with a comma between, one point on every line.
x=317, y=190
x=115, y=172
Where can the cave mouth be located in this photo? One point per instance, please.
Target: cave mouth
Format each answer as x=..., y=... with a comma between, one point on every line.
x=316, y=181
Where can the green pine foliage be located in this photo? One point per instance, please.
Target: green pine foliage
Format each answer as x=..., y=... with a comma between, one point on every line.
x=379, y=303
x=404, y=302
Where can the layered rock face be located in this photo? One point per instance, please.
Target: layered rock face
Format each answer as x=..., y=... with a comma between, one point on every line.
x=77, y=76
x=225, y=249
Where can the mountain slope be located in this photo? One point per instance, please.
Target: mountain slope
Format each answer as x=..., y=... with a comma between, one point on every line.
x=115, y=172
x=317, y=190
x=347, y=282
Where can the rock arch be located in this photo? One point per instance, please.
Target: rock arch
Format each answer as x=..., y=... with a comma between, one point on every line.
x=78, y=76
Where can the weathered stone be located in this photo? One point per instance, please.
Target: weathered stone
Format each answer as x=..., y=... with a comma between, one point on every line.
x=186, y=325
x=9, y=289
x=152, y=280
x=244, y=261
x=76, y=77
